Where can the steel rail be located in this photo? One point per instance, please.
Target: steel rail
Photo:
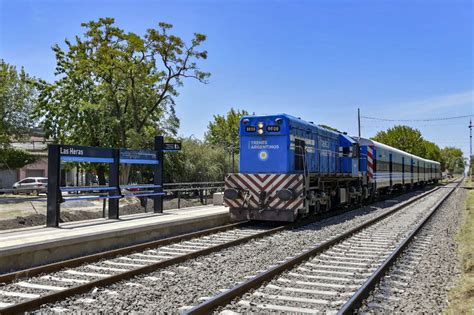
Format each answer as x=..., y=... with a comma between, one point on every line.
x=60, y=295
x=372, y=281
x=227, y=296
x=74, y=262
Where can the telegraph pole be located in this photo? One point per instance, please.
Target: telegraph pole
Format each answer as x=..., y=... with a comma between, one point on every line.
x=470, y=146
x=358, y=120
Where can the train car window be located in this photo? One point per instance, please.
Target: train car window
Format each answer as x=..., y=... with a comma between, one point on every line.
x=383, y=166
x=299, y=154
x=406, y=168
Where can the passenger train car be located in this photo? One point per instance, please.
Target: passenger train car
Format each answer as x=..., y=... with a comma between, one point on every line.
x=290, y=168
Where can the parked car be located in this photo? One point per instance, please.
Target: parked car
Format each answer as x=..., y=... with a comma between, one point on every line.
x=31, y=185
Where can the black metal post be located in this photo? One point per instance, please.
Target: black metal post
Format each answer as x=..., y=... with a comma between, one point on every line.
x=158, y=174
x=54, y=194
x=114, y=182
x=233, y=158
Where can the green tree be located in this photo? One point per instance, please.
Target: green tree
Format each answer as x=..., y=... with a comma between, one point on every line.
x=432, y=151
x=471, y=165
x=197, y=162
x=223, y=131
x=17, y=99
x=452, y=160
x=11, y=158
x=116, y=88
x=404, y=138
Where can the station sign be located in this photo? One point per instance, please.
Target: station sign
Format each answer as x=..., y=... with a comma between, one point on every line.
x=138, y=156
x=172, y=146
x=76, y=153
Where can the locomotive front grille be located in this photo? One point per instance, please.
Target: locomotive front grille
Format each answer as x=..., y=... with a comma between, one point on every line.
x=262, y=191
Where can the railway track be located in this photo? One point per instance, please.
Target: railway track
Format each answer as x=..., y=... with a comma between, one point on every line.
x=333, y=276
x=26, y=290
x=29, y=289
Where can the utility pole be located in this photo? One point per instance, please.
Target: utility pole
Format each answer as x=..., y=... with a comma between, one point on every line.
x=358, y=119
x=470, y=146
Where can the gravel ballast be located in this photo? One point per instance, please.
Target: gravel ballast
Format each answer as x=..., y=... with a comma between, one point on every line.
x=420, y=279
x=318, y=284
x=186, y=284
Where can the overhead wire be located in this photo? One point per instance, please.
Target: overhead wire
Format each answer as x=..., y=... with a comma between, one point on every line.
x=424, y=119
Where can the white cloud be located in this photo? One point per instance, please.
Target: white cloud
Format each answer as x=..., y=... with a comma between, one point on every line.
x=444, y=101
x=412, y=109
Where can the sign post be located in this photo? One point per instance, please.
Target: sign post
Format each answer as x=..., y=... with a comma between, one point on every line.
x=54, y=195
x=158, y=175
x=114, y=182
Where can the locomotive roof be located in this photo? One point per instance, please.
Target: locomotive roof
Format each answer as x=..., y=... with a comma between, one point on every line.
x=387, y=147
x=298, y=121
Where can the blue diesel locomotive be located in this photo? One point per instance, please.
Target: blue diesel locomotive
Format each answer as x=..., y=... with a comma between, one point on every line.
x=290, y=168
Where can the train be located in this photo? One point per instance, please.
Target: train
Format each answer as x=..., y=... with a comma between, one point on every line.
x=291, y=168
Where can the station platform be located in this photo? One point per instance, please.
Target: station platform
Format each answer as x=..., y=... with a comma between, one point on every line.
x=28, y=247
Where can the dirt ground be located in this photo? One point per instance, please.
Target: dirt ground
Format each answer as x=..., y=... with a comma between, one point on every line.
x=33, y=213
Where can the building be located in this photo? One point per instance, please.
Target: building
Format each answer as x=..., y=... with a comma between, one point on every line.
x=37, y=145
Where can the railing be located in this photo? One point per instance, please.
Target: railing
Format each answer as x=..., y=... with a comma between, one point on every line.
x=202, y=190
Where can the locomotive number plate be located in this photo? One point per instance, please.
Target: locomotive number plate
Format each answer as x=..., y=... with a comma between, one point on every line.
x=273, y=128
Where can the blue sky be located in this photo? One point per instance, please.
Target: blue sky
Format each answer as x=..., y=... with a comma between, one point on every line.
x=318, y=60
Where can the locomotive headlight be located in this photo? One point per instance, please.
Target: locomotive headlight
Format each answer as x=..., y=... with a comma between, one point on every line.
x=231, y=193
x=260, y=128
x=245, y=121
x=286, y=194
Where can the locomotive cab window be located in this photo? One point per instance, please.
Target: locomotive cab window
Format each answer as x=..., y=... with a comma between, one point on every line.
x=355, y=151
x=299, y=154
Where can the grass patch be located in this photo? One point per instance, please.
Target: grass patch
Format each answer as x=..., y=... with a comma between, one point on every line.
x=461, y=297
